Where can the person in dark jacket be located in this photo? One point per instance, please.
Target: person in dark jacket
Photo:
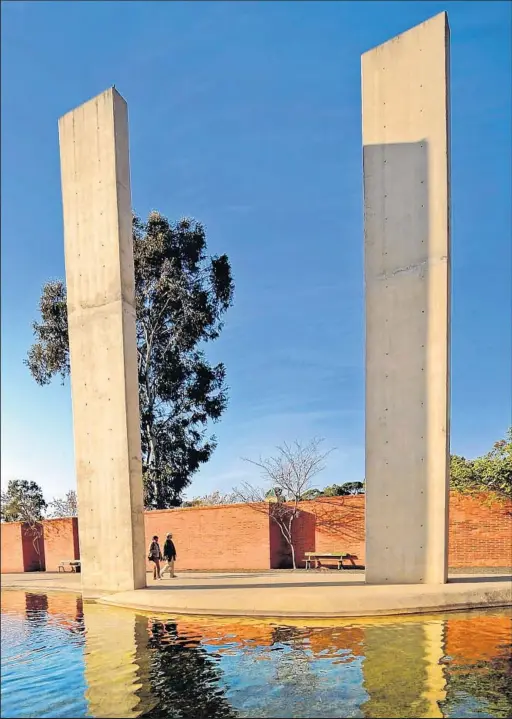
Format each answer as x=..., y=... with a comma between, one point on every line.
x=169, y=556
x=155, y=555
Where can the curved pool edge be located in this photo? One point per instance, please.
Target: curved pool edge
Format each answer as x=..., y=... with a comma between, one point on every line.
x=268, y=615
x=281, y=596
x=324, y=601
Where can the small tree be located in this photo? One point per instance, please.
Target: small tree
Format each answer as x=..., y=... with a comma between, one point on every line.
x=290, y=473
x=344, y=490
x=64, y=506
x=23, y=501
x=491, y=472
x=312, y=494
x=213, y=499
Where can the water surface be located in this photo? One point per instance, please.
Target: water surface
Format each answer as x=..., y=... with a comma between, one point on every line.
x=65, y=658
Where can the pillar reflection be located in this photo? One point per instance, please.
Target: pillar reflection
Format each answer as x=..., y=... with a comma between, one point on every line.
x=115, y=671
x=402, y=673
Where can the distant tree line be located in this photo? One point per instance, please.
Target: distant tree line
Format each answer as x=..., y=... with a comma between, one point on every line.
x=289, y=474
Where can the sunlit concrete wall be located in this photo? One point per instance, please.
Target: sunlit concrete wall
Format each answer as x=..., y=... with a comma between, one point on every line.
x=405, y=105
x=101, y=315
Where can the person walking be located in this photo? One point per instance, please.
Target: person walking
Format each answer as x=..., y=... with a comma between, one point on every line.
x=155, y=555
x=169, y=556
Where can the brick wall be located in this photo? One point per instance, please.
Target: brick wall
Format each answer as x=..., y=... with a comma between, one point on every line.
x=33, y=547
x=12, y=548
x=480, y=531
x=237, y=537
x=480, y=534
x=20, y=547
x=60, y=541
x=339, y=525
x=221, y=537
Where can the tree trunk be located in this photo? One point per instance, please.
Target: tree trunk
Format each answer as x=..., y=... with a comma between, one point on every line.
x=293, y=555
x=290, y=532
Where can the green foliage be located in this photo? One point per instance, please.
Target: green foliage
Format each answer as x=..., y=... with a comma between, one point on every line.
x=209, y=500
x=181, y=297
x=49, y=355
x=311, y=494
x=343, y=490
x=336, y=490
x=23, y=501
x=490, y=473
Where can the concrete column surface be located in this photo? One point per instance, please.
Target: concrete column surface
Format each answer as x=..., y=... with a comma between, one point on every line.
x=405, y=103
x=102, y=338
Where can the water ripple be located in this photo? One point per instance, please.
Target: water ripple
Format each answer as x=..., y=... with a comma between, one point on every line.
x=61, y=658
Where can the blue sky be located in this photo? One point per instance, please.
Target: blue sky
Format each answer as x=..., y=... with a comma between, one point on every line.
x=246, y=116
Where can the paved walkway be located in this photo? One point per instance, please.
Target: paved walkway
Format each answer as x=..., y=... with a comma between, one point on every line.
x=287, y=594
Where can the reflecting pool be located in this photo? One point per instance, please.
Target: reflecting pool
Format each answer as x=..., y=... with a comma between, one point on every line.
x=62, y=657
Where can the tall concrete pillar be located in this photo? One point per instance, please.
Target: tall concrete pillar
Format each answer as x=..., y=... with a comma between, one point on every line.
x=405, y=102
x=102, y=339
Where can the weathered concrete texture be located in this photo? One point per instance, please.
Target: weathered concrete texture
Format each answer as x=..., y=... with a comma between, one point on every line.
x=101, y=315
x=407, y=274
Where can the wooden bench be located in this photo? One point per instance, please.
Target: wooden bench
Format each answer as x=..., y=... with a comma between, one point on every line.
x=318, y=556
x=74, y=564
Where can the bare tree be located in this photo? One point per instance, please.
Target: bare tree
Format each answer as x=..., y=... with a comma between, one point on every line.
x=64, y=506
x=289, y=473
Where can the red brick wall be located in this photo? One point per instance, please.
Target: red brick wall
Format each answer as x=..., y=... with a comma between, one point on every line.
x=279, y=554
x=339, y=525
x=480, y=534
x=33, y=547
x=12, y=548
x=60, y=541
x=304, y=535
x=19, y=550
x=237, y=537
x=222, y=537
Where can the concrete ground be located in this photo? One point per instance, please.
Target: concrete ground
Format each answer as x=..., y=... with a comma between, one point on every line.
x=286, y=594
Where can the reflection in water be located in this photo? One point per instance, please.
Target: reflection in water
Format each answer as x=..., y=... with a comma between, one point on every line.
x=62, y=659
x=401, y=670
x=480, y=666
x=183, y=676
x=112, y=671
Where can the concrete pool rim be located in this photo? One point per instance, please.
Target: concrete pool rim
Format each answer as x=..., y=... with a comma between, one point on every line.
x=279, y=595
